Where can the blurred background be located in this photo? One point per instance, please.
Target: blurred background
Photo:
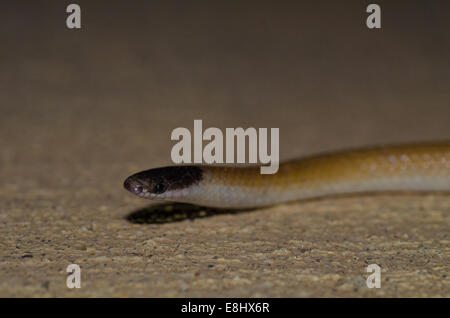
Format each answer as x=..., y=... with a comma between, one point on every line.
x=114, y=90
x=80, y=110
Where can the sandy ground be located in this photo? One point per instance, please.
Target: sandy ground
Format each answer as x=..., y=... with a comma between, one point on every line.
x=81, y=110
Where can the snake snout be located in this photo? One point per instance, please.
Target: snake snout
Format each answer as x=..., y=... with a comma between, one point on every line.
x=133, y=186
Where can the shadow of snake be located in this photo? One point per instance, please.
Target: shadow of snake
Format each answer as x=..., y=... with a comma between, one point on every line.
x=176, y=212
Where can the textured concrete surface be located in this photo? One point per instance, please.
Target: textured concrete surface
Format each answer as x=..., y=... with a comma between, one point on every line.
x=81, y=110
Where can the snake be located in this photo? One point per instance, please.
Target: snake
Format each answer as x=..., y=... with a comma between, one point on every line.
x=383, y=168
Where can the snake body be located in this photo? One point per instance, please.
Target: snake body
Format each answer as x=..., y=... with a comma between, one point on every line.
x=412, y=167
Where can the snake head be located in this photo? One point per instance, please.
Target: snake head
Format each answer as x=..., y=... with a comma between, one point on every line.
x=163, y=183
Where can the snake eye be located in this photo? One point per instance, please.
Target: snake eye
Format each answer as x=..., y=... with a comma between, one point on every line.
x=159, y=188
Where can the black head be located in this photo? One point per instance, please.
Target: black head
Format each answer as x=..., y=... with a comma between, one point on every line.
x=155, y=183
